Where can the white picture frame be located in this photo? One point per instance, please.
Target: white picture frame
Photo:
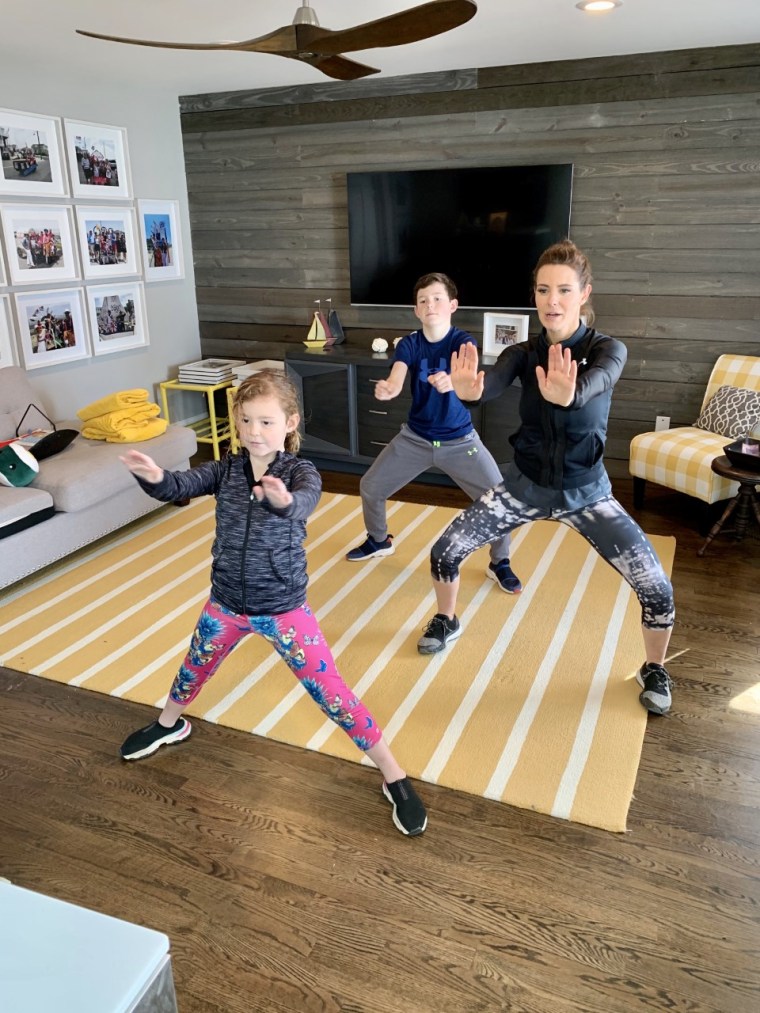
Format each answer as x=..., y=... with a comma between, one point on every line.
x=98, y=160
x=500, y=330
x=108, y=241
x=7, y=329
x=160, y=239
x=31, y=155
x=3, y=276
x=57, y=315
x=39, y=244
x=117, y=316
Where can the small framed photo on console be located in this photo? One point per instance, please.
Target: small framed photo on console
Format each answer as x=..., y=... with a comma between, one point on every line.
x=500, y=330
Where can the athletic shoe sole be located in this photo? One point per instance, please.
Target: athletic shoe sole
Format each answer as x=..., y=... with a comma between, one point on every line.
x=649, y=705
x=495, y=579
x=372, y=555
x=437, y=650
x=169, y=740
x=396, y=822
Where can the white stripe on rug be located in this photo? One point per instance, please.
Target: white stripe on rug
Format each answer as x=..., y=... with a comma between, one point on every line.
x=104, y=627
x=513, y=747
x=77, y=589
x=115, y=593
x=480, y=683
x=584, y=735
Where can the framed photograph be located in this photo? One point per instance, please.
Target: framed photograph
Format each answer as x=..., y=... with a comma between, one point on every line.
x=108, y=242
x=503, y=329
x=52, y=327
x=98, y=160
x=7, y=344
x=3, y=278
x=117, y=316
x=30, y=155
x=161, y=246
x=38, y=243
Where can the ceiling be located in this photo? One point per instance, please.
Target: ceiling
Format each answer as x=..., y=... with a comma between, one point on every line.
x=502, y=32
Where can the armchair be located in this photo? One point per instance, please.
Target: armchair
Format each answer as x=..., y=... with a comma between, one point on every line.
x=680, y=458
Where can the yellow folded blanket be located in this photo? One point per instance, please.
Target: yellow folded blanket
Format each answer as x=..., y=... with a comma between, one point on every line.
x=129, y=434
x=114, y=422
x=113, y=402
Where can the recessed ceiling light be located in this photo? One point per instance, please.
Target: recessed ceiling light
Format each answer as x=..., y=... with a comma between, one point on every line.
x=597, y=6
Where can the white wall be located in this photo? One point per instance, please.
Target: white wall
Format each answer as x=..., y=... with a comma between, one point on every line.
x=157, y=166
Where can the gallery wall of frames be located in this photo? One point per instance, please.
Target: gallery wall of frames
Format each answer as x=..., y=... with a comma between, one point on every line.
x=76, y=246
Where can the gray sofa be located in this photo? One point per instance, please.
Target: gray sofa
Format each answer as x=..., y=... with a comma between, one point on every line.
x=80, y=494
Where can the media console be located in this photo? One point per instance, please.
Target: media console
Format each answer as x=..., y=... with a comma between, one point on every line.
x=345, y=427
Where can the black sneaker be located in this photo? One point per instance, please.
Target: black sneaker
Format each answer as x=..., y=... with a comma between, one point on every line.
x=370, y=549
x=502, y=574
x=408, y=811
x=438, y=632
x=657, y=684
x=150, y=738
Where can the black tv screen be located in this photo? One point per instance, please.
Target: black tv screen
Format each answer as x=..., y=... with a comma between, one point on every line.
x=484, y=227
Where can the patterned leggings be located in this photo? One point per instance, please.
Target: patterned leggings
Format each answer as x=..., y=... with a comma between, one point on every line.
x=298, y=640
x=604, y=524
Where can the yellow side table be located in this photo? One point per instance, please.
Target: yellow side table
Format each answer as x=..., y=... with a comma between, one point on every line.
x=213, y=429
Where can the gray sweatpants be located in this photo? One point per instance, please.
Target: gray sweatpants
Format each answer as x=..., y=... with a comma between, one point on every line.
x=465, y=460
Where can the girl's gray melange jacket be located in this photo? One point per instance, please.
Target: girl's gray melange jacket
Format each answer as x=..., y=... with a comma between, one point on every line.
x=258, y=559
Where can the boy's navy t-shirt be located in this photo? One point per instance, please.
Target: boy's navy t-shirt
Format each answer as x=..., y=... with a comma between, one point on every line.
x=433, y=416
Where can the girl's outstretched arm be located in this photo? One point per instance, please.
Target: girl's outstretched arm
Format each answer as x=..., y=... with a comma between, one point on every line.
x=142, y=466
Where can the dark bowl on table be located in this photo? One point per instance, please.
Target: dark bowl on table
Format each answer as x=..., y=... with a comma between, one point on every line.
x=737, y=455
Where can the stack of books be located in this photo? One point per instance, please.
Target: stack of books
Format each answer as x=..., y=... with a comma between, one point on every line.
x=208, y=371
x=240, y=373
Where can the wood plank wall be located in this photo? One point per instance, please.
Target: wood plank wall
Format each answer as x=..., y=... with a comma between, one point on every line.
x=666, y=201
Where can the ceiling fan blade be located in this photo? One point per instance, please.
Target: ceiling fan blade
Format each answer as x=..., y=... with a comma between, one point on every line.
x=422, y=22
x=339, y=67
x=282, y=40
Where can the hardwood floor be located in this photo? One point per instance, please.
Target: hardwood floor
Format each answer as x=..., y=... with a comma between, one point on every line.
x=283, y=886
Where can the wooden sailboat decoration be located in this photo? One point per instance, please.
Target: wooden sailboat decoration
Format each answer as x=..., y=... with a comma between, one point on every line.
x=319, y=331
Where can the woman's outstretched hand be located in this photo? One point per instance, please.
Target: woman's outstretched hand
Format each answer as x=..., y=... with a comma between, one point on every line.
x=557, y=384
x=465, y=378
x=142, y=466
x=274, y=491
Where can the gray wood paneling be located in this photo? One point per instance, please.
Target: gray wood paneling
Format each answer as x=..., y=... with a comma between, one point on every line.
x=666, y=149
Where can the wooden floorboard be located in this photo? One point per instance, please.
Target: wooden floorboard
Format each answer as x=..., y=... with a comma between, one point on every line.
x=282, y=885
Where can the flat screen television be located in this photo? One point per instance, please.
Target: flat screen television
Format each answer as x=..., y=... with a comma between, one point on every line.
x=484, y=227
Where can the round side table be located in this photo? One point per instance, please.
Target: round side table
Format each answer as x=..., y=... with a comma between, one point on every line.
x=744, y=504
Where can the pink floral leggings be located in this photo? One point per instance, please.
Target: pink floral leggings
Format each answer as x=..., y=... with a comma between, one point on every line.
x=298, y=640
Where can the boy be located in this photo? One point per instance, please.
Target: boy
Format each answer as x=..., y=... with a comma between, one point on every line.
x=438, y=432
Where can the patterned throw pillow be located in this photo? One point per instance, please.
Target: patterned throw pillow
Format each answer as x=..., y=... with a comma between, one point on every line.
x=731, y=412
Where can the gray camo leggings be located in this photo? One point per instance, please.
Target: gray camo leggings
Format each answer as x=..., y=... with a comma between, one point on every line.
x=604, y=524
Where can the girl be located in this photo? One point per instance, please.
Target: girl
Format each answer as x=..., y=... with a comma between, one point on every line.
x=567, y=375
x=264, y=496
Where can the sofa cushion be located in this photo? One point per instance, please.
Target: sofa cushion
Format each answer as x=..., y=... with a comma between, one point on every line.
x=21, y=508
x=89, y=471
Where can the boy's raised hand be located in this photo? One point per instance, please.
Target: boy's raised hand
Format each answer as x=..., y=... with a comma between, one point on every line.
x=274, y=491
x=465, y=378
x=557, y=384
x=142, y=466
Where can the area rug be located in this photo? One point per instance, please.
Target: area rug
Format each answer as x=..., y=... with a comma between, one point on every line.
x=534, y=705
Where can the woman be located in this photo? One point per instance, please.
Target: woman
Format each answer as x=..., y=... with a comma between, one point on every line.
x=567, y=373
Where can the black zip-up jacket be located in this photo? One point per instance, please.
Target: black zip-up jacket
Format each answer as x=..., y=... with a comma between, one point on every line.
x=258, y=559
x=561, y=448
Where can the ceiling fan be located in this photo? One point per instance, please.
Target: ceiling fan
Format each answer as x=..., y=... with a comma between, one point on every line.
x=322, y=48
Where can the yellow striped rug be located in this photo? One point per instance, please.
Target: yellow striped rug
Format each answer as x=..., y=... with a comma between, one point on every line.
x=534, y=705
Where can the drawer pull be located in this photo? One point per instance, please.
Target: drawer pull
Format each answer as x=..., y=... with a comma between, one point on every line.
x=373, y=411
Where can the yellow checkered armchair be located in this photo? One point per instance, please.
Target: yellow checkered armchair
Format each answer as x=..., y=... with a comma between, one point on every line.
x=680, y=458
